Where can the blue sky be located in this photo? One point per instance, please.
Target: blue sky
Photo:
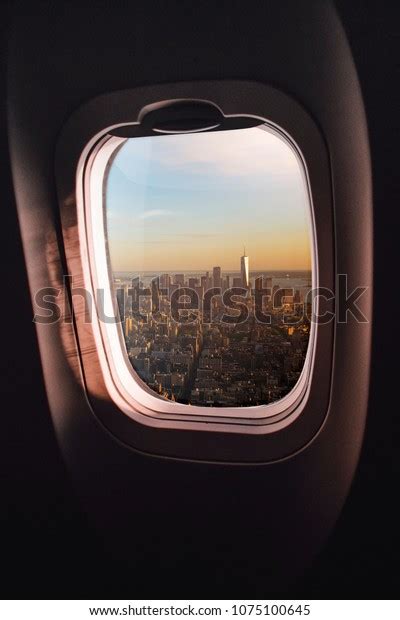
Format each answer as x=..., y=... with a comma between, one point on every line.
x=189, y=202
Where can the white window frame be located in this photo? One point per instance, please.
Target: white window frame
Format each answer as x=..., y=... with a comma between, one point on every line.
x=131, y=394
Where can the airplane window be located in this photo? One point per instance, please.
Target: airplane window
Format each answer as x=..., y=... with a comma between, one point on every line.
x=210, y=248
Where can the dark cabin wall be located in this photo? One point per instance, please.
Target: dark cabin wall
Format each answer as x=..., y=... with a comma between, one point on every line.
x=365, y=543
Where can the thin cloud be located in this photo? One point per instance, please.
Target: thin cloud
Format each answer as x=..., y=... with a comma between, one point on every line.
x=154, y=213
x=248, y=153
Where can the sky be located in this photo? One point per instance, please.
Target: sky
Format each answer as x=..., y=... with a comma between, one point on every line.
x=191, y=202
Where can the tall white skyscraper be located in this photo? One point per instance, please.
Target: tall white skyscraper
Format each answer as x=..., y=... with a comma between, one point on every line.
x=244, y=270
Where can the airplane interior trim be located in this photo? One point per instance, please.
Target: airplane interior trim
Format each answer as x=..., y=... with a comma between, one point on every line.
x=300, y=420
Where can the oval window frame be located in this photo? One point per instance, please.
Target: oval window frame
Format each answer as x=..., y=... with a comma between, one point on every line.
x=266, y=438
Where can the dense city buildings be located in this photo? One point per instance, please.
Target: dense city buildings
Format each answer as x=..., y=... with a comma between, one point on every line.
x=192, y=344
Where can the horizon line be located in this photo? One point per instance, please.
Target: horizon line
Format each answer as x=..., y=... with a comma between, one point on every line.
x=209, y=269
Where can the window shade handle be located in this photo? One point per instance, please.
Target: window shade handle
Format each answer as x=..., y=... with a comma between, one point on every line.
x=180, y=116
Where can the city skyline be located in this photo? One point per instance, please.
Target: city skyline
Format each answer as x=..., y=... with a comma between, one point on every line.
x=207, y=350
x=252, y=272
x=172, y=201
x=213, y=277
x=166, y=283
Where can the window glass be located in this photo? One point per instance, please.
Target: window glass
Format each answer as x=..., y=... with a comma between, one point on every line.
x=210, y=246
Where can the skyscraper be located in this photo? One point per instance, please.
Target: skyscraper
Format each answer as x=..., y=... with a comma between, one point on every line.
x=179, y=279
x=244, y=270
x=134, y=294
x=217, y=277
x=165, y=281
x=121, y=303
